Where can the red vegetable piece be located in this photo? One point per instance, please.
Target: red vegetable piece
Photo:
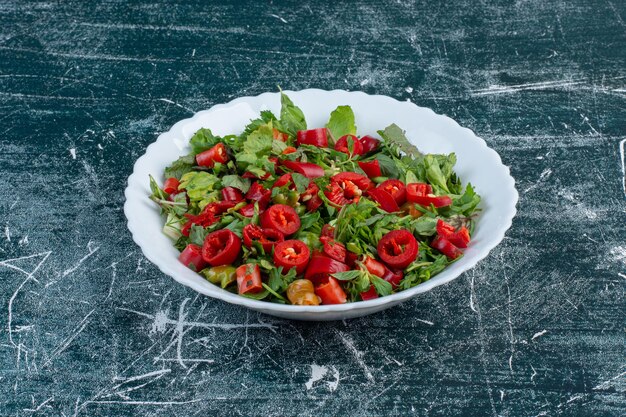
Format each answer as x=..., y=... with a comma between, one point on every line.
x=247, y=210
x=232, y=194
x=334, y=249
x=444, y=246
x=283, y=180
x=221, y=247
x=328, y=230
x=288, y=150
x=292, y=254
x=437, y=201
x=258, y=193
x=266, y=237
x=282, y=218
x=396, y=189
x=369, y=144
x=249, y=279
x=369, y=294
x=311, y=197
x=307, y=169
x=459, y=238
x=321, y=266
x=371, y=168
x=398, y=248
x=342, y=145
x=315, y=137
x=385, y=200
x=171, y=185
x=417, y=189
x=191, y=257
x=209, y=157
x=278, y=135
x=347, y=188
x=374, y=267
x=331, y=292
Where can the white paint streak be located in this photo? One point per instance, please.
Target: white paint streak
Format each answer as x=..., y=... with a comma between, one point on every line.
x=81, y=260
x=430, y=323
x=538, y=334
x=608, y=382
x=68, y=341
x=176, y=104
x=507, y=89
x=40, y=406
x=619, y=254
x=142, y=376
x=409, y=89
x=7, y=232
x=73, y=153
x=317, y=373
x=358, y=355
x=621, y=153
x=545, y=174
x=279, y=18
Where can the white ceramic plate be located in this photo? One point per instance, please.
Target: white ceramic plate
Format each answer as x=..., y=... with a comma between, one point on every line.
x=430, y=132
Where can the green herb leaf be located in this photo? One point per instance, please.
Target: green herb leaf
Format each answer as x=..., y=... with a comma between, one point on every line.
x=198, y=184
x=395, y=136
x=348, y=275
x=181, y=166
x=388, y=167
x=291, y=117
x=341, y=122
x=203, y=140
x=383, y=287
x=242, y=184
x=465, y=204
x=301, y=182
x=197, y=234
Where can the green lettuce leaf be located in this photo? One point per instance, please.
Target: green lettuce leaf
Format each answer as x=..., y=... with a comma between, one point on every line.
x=181, y=166
x=242, y=184
x=291, y=117
x=395, y=136
x=198, y=184
x=341, y=122
x=203, y=140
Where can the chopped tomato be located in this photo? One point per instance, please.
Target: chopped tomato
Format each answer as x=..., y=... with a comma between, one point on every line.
x=258, y=193
x=282, y=218
x=385, y=200
x=278, y=135
x=209, y=157
x=266, y=237
x=171, y=185
x=321, y=266
x=398, y=248
x=347, y=187
x=221, y=247
x=315, y=137
x=311, y=197
x=331, y=292
x=436, y=201
x=283, y=180
x=342, y=145
x=380, y=270
x=288, y=150
x=292, y=254
x=191, y=257
x=459, y=238
x=369, y=294
x=249, y=279
x=208, y=216
x=371, y=168
x=307, y=169
x=396, y=189
x=334, y=249
x=252, y=176
x=369, y=144
x=231, y=194
x=444, y=246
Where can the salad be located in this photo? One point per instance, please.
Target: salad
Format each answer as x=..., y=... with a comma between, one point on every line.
x=306, y=216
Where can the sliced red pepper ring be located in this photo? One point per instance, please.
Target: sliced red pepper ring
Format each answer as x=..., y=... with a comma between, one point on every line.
x=369, y=294
x=249, y=279
x=283, y=180
x=315, y=137
x=417, y=189
x=322, y=266
x=331, y=292
x=371, y=168
x=347, y=188
x=209, y=157
x=369, y=144
x=247, y=210
x=444, y=246
x=307, y=169
x=396, y=189
x=342, y=145
x=380, y=270
x=282, y=218
x=328, y=230
x=459, y=238
x=191, y=257
x=398, y=248
x=385, y=200
x=221, y=247
x=436, y=201
x=170, y=185
x=292, y=254
x=266, y=237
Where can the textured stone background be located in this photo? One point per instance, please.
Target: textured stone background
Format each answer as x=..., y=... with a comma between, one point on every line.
x=88, y=327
